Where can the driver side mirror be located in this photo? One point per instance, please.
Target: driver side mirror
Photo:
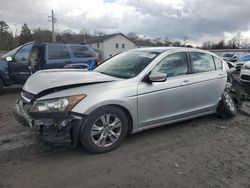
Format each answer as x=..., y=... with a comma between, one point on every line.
x=9, y=58
x=157, y=77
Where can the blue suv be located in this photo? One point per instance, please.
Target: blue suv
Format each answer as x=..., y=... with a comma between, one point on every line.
x=17, y=65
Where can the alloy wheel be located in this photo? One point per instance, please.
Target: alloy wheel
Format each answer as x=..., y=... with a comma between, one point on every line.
x=106, y=130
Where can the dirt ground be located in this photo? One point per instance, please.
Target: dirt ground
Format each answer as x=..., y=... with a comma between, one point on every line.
x=205, y=152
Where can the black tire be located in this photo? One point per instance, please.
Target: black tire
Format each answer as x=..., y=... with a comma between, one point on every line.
x=86, y=137
x=227, y=108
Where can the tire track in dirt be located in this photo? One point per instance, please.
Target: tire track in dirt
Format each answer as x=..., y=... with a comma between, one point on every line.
x=17, y=140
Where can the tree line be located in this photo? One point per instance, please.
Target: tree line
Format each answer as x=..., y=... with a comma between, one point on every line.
x=10, y=39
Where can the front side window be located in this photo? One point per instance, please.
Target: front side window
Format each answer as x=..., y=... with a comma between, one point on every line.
x=127, y=64
x=173, y=65
x=24, y=53
x=81, y=51
x=58, y=52
x=116, y=45
x=11, y=53
x=202, y=62
x=218, y=63
x=123, y=45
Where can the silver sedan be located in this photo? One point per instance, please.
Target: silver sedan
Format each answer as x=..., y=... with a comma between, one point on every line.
x=136, y=90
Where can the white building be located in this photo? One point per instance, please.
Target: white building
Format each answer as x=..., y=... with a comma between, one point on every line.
x=110, y=45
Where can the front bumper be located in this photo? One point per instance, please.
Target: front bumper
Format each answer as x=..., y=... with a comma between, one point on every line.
x=56, y=129
x=22, y=116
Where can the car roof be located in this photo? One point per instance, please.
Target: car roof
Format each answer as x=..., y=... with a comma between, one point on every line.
x=61, y=43
x=164, y=49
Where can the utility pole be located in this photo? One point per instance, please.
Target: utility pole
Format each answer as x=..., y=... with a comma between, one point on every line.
x=53, y=21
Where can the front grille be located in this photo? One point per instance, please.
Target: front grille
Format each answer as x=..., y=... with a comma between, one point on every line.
x=245, y=77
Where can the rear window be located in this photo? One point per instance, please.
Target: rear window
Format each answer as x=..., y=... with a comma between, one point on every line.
x=202, y=62
x=218, y=63
x=81, y=51
x=58, y=52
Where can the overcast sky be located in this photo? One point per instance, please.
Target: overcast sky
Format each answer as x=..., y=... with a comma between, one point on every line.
x=195, y=20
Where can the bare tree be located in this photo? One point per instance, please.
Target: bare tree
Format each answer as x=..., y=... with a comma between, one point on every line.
x=3, y=27
x=133, y=36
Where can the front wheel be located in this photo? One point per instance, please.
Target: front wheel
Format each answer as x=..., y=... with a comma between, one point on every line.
x=227, y=107
x=104, y=130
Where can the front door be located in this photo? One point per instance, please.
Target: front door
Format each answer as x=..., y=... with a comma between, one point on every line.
x=159, y=102
x=20, y=66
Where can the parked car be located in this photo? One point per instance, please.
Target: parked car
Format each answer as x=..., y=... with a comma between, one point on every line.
x=136, y=90
x=231, y=57
x=241, y=61
x=245, y=78
x=17, y=65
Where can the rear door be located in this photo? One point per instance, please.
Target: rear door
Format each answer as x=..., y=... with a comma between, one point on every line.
x=209, y=81
x=83, y=55
x=20, y=66
x=159, y=102
x=57, y=56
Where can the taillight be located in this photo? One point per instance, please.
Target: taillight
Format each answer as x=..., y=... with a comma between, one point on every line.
x=98, y=61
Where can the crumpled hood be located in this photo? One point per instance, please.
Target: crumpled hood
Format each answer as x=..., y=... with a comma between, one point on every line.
x=60, y=78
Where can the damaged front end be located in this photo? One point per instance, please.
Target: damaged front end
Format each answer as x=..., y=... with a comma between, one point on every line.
x=54, y=119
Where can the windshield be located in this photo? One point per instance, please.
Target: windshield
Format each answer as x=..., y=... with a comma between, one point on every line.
x=244, y=58
x=11, y=53
x=127, y=64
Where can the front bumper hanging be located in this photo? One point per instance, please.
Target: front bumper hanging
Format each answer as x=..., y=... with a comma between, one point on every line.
x=22, y=116
x=57, y=130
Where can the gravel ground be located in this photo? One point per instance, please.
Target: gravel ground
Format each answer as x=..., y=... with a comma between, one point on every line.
x=205, y=152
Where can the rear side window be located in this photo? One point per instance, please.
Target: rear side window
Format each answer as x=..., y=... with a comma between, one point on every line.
x=218, y=63
x=202, y=62
x=81, y=51
x=173, y=65
x=58, y=52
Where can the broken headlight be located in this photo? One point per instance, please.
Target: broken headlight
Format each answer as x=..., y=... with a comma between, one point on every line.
x=56, y=105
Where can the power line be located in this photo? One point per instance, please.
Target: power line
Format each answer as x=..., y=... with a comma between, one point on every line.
x=53, y=21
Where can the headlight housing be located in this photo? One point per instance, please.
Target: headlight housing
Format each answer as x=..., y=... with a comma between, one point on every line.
x=64, y=104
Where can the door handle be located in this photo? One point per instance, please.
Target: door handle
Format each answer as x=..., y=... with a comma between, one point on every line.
x=186, y=82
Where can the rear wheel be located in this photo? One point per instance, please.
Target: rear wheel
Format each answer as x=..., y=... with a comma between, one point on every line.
x=104, y=130
x=227, y=107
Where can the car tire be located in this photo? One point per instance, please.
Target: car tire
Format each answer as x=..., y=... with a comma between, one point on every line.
x=226, y=108
x=104, y=130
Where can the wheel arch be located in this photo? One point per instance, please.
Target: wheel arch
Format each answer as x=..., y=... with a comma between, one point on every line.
x=128, y=115
x=126, y=112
